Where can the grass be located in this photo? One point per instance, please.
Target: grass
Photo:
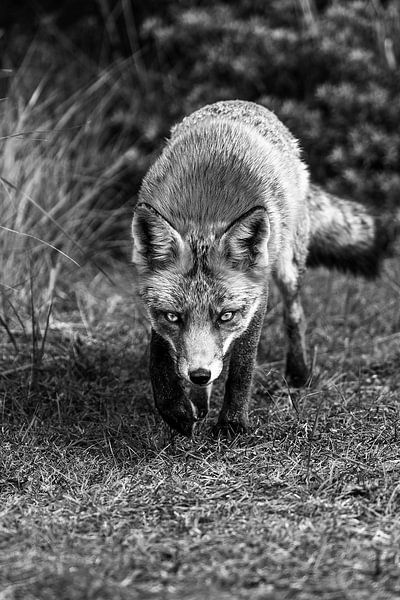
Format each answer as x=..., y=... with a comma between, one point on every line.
x=100, y=500
x=64, y=161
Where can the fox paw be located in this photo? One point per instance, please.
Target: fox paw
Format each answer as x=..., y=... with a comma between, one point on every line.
x=298, y=379
x=297, y=372
x=231, y=427
x=180, y=418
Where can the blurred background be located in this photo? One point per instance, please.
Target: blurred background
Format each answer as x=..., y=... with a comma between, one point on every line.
x=89, y=91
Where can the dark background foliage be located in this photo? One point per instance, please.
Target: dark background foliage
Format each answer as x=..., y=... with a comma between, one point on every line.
x=329, y=69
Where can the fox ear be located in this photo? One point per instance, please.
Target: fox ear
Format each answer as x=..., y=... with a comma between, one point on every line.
x=244, y=243
x=155, y=241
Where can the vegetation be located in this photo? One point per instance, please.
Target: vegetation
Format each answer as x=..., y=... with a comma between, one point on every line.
x=98, y=499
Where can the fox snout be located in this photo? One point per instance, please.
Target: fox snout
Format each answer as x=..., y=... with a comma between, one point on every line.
x=198, y=372
x=200, y=376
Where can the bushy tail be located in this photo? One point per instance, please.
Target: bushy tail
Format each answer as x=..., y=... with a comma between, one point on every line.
x=348, y=236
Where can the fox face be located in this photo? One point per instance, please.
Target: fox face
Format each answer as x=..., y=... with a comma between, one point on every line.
x=200, y=290
x=199, y=317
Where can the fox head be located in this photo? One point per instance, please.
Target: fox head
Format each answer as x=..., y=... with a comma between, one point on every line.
x=202, y=287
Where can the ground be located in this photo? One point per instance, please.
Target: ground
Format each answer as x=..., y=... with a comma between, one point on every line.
x=99, y=500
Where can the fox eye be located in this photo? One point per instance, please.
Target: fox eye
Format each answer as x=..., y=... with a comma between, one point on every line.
x=227, y=316
x=171, y=317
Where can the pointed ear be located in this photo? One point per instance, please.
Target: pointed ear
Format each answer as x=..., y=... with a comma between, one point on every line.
x=155, y=242
x=244, y=243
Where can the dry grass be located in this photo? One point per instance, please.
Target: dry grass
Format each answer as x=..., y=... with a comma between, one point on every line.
x=100, y=501
x=62, y=168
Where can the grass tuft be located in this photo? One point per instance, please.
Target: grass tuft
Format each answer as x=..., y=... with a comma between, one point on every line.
x=63, y=212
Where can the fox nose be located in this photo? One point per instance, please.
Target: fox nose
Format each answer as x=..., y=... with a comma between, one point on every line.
x=200, y=376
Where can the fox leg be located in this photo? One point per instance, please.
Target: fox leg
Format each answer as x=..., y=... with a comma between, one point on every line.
x=234, y=415
x=169, y=394
x=288, y=279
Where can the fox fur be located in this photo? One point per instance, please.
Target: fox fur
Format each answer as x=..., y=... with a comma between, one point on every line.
x=227, y=206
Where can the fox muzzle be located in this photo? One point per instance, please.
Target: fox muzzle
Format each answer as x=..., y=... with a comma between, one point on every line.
x=200, y=376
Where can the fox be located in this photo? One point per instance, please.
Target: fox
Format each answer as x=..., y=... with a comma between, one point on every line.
x=226, y=208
